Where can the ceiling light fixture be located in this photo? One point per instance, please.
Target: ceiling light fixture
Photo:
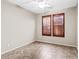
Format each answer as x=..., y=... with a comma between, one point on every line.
x=43, y=5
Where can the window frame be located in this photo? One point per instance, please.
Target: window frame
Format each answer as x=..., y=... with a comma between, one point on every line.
x=63, y=24
x=50, y=25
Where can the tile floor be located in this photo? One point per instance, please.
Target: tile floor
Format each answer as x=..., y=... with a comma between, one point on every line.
x=39, y=50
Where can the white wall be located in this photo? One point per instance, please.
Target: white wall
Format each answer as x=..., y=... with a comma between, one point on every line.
x=70, y=38
x=18, y=27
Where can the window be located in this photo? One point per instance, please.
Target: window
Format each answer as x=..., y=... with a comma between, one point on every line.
x=46, y=25
x=58, y=25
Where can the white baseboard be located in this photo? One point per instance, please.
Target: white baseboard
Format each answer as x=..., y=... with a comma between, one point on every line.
x=15, y=48
x=57, y=43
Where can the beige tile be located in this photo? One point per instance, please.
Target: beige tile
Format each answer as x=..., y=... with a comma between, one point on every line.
x=39, y=50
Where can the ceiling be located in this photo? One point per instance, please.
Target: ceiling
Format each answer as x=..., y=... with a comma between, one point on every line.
x=38, y=6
